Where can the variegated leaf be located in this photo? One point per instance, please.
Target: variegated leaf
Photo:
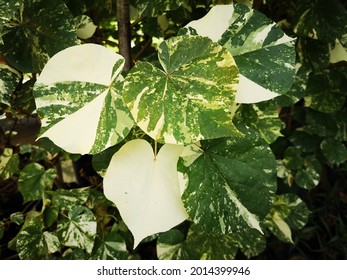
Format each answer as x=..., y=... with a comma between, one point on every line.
x=36, y=30
x=9, y=79
x=77, y=100
x=78, y=230
x=191, y=98
x=230, y=186
x=263, y=53
x=288, y=212
x=85, y=27
x=155, y=8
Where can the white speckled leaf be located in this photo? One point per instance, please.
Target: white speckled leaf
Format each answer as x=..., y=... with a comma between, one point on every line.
x=264, y=54
x=76, y=95
x=145, y=188
x=9, y=79
x=191, y=98
x=34, y=31
x=230, y=186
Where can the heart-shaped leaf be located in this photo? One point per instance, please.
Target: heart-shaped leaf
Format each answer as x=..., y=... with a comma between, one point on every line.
x=145, y=188
x=77, y=100
x=230, y=186
x=199, y=77
x=263, y=53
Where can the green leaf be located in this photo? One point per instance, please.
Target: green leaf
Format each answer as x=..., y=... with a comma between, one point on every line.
x=334, y=151
x=37, y=30
x=199, y=77
x=17, y=218
x=8, y=163
x=78, y=230
x=263, y=117
x=308, y=176
x=325, y=90
x=321, y=20
x=155, y=8
x=9, y=79
x=34, y=181
x=34, y=244
x=263, y=53
x=111, y=247
x=150, y=202
x=76, y=93
x=288, y=212
x=69, y=199
x=199, y=245
x=230, y=186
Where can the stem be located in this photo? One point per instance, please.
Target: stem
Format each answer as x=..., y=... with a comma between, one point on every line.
x=155, y=149
x=124, y=32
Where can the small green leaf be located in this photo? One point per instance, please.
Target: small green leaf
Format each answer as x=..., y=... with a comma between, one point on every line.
x=111, y=247
x=334, y=151
x=158, y=7
x=288, y=212
x=78, y=230
x=17, y=218
x=69, y=199
x=308, y=177
x=230, y=186
x=34, y=181
x=8, y=163
x=77, y=93
x=50, y=215
x=37, y=30
x=198, y=245
x=199, y=77
x=34, y=244
x=9, y=79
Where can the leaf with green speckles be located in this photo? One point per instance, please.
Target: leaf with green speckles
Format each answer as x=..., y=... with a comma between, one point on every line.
x=9, y=79
x=78, y=101
x=33, y=244
x=155, y=8
x=78, y=229
x=34, y=31
x=264, y=54
x=325, y=90
x=85, y=27
x=111, y=247
x=68, y=199
x=191, y=98
x=200, y=245
x=34, y=181
x=334, y=151
x=9, y=163
x=230, y=186
x=288, y=213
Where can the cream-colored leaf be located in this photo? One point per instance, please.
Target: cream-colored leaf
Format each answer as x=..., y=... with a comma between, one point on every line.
x=145, y=188
x=82, y=124
x=85, y=27
x=250, y=92
x=283, y=227
x=84, y=63
x=214, y=23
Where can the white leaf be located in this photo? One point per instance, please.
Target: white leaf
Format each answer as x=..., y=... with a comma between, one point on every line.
x=85, y=27
x=84, y=63
x=145, y=188
x=82, y=124
x=250, y=92
x=214, y=23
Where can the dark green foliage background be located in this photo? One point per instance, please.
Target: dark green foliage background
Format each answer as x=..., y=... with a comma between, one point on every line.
x=311, y=152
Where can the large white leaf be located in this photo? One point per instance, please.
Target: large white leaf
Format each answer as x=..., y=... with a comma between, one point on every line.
x=263, y=53
x=145, y=188
x=78, y=102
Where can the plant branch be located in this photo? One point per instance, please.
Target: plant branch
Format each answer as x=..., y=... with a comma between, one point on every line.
x=124, y=32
